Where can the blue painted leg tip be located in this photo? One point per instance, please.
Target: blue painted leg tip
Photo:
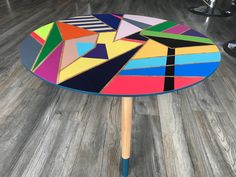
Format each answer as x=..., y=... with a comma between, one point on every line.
x=125, y=167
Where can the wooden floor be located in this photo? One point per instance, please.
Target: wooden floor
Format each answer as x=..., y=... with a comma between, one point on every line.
x=50, y=132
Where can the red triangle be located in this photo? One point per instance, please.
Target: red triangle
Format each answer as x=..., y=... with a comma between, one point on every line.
x=71, y=32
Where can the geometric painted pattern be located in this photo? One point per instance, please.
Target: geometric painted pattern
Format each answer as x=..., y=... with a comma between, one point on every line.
x=119, y=55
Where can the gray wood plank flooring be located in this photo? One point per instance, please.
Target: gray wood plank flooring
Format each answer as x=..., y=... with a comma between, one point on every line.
x=49, y=132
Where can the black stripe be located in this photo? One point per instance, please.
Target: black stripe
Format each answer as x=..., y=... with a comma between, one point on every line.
x=174, y=43
x=71, y=18
x=98, y=23
x=81, y=21
x=104, y=30
x=169, y=81
x=92, y=27
x=97, y=27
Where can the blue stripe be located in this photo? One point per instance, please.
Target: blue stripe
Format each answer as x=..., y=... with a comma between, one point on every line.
x=160, y=71
x=146, y=62
x=197, y=58
x=202, y=69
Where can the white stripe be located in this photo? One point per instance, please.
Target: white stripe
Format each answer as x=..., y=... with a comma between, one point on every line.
x=85, y=26
x=78, y=20
x=85, y=16
x=81, y=23
x=100, y=29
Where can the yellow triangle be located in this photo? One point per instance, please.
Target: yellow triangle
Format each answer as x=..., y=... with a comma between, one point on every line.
x=151, y=49
x=44, y=31
x=77, y=67
x=115, y=48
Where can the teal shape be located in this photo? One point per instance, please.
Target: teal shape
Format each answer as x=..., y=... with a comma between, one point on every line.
x=84, y=47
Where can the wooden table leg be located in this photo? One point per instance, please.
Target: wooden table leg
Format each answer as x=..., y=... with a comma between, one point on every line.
x=126, y=127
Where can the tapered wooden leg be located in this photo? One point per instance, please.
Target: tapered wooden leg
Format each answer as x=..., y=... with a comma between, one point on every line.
x=126, y=127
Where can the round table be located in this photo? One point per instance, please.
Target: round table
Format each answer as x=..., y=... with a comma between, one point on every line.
x=119, y=55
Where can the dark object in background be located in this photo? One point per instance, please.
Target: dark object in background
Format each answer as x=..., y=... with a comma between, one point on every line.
x=230, y=48
x=210, y=9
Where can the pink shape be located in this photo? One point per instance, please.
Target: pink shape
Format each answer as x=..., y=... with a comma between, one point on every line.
x=117, y=16
x=70, y=52
x=126, y=29
x=179, y=29
x=147, y=20
x=133, y=40
x=134, y=85
x=48, y=70
x=181, y=82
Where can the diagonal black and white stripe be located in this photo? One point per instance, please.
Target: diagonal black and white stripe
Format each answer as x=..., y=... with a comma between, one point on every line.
x=88, y=22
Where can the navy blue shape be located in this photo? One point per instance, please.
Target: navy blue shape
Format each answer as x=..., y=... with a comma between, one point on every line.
x=98, y=52
x=96, y=78
x=29, y=50
x=192, y=32
x=137, y=36
x=201, y=69
x=109, y=19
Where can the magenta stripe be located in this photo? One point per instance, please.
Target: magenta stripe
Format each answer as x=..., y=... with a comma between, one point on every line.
x=177, y=29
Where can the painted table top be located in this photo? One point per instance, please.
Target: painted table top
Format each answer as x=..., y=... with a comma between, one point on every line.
x=119, y=54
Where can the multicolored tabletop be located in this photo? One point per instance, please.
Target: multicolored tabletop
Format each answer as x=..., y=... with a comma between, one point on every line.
x=119, y=54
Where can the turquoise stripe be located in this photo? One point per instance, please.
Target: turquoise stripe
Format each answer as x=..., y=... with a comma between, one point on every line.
x=197, y=58
x=158, y=71
x=179, y=59
x=146, y=62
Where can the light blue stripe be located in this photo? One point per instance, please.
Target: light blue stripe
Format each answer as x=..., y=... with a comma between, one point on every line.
x=197, y=58
x=158, y=71
x=146, y=62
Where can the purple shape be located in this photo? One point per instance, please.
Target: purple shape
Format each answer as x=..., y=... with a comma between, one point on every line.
x=192, y=32
x=98, y=52
x=177, y=29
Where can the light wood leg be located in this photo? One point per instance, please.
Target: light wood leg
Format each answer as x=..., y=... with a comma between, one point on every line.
x=126, y=127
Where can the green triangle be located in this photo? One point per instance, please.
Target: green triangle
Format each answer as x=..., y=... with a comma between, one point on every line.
x=161, y=27
x=44, y=31
x=53, y=40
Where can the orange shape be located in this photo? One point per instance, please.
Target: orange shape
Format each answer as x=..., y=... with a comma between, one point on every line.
x=70, y=32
